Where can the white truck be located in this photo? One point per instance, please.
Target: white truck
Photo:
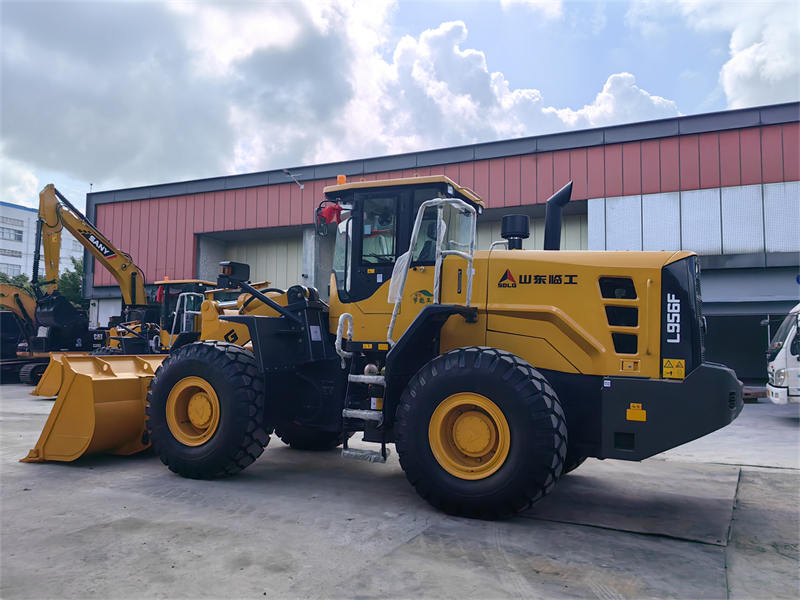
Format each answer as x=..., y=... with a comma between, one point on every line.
x=783, y=361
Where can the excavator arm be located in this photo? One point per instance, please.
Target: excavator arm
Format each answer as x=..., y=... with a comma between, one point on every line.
x=55, y=213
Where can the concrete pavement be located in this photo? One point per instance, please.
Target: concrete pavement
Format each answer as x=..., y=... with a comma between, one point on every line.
x=716, y=518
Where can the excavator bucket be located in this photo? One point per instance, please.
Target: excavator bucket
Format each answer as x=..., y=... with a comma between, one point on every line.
x=54, y=310
x=99, y=408
x=50, y=383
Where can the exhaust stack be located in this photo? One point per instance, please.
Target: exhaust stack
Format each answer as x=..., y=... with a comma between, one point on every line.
x=552, y=217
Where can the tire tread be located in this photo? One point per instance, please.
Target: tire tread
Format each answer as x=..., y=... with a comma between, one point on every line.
x=239, y=366
x=539, y=399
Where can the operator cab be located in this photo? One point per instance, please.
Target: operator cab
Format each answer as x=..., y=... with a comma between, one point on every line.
x=374, y=226
x=179, y=303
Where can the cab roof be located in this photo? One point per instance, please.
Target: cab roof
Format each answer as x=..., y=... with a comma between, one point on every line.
x=382, y=183
x=183, y=282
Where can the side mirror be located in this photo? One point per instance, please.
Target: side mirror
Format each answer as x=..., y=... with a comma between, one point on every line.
x=320, y=224
x=327, y=214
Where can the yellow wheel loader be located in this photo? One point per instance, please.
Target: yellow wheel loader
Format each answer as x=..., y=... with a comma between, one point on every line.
x=494, y=373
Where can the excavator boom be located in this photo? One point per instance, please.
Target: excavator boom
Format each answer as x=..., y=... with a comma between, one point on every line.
x=57, y=213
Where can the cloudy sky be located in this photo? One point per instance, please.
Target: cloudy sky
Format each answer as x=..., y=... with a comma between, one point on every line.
x=120, y=94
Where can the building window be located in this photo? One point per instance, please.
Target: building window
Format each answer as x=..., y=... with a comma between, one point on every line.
x=14, y=253
x=6, y=233
x=10, y=221
x=10, y=270
x=76, y=246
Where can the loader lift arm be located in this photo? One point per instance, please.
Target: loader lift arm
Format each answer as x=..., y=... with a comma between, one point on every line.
x=57, y=213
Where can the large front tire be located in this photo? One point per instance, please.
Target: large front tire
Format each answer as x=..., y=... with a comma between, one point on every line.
x=480, y=433
x=205, y=416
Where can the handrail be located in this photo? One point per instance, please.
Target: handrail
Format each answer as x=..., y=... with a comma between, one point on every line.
x=405, y=259
x=344, y=318
x=185, y=297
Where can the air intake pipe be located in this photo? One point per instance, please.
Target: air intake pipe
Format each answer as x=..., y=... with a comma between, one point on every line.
x=514, y=229
x=552, y=217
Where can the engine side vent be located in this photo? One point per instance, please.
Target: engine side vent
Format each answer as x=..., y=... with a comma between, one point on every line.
x=620, y=288
x=625, y=343
x=622, y=316
x=701, y=321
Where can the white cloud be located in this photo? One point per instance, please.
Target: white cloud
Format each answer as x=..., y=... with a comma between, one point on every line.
x=222, y=34
x=18, y=184
x=621, y=101
x=148, y=93
x=551, y=9
x=764, y=64
x=436, y=94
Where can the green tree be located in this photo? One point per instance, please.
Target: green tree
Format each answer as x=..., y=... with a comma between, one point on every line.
x=20, y=281
x=71, y=282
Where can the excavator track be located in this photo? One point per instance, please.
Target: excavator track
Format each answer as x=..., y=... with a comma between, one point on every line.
x=31, y=374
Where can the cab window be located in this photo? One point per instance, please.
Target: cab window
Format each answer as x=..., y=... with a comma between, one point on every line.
x=341, y=254
x=380, y=230
x=457, y=233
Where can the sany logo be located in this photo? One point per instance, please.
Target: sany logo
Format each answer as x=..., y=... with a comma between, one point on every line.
x=101, y=247
x=507, y=280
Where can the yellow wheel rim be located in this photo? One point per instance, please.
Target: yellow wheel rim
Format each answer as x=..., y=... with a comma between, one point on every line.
x=469, y=436
x=193, y=411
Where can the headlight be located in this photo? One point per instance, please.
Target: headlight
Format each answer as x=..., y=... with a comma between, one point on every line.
x=780, y=377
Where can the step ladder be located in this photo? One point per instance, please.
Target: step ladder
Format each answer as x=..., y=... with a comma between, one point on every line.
x=376, y=416
x=397, y=289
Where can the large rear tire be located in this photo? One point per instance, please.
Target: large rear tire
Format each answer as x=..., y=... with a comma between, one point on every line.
x=300, y=437
x=480, y=433
x=205, y=417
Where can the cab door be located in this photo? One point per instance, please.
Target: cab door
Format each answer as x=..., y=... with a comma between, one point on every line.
x=376, y=217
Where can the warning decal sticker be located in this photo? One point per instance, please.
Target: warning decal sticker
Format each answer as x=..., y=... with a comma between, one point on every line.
x=674, y=368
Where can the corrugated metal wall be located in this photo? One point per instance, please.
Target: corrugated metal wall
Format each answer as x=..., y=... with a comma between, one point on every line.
x=574, y=234
x=159, y=233
x=735, y=220
x=278, y=261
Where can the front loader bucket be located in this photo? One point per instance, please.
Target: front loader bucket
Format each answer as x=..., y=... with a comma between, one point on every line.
x=50, y=383
x=99, y=408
